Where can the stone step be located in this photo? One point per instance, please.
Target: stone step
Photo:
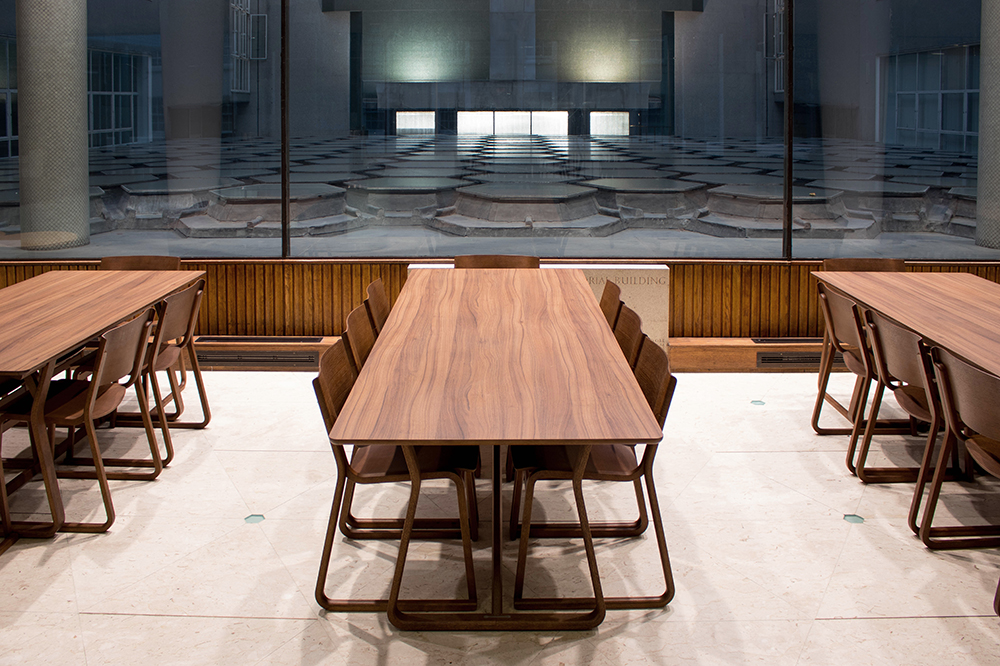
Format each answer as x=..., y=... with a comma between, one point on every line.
x=205, y=226
x=461, y=225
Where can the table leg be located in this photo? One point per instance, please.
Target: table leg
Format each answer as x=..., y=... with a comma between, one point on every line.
x=38, y=386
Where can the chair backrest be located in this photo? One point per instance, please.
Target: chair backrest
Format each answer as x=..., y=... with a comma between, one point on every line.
x=334, y=382
x=611, y=302
x=178, y=314
x=628, y=332
x=898, y=352
x=122, y=351
x=360, y=335
x=141, y=263
x=844, y=326
x=495, y=261
x=377, y=304
x=652, y=372
x=969, y=395
x=880, y=264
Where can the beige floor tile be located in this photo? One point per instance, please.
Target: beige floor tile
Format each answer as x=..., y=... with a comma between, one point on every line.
x=41, y=638
x=911, y=641
x=187, y=641
x=236, y=575
x=885, y=572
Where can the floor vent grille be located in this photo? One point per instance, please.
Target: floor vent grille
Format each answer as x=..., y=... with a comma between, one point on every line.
x=794, y=359
x=242, y=358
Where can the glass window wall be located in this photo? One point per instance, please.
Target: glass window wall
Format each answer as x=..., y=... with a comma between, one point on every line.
x=548, y=127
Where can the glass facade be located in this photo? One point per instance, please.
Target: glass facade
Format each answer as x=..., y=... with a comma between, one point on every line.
x=652, y=128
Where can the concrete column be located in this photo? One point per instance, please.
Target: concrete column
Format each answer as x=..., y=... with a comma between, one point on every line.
x=52, y=114
x=192, y=35
x=988, y=203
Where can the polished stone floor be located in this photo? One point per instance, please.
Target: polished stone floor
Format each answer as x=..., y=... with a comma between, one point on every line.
x=215, y=561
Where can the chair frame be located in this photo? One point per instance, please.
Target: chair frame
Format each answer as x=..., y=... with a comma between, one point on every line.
x=185, y=345
x=377, y=304
x=628, y=333
x=852, y=343
x=885, y=378
x=496, y=261
x=359, y=336
x=660, y=399
x=611, y=302
x=347, y=477
x=957, y=432
x=91, y=411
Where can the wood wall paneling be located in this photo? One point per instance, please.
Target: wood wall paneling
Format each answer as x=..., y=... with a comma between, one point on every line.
x=727, y=299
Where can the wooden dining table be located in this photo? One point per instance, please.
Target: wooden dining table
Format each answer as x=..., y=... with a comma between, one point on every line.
x=957, y=311
x=496, y=357
x=45, y=319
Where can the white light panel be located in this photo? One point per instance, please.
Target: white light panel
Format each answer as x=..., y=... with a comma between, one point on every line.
x=475, y=122
x=609, y=123
x=415, y=122
x=550, y=123
x=512, y=122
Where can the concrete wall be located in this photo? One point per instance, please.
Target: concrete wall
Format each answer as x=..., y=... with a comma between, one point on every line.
x=720, y=70
x=319, y=68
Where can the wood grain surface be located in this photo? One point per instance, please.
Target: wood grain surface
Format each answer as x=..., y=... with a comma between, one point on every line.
x=496, y=355
x=958, y=311
x=53, y=313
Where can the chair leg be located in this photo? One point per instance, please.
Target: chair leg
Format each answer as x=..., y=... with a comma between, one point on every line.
x=199, y=381
x=631, y=603
x=958, y=536
x=522, y=550
x=926, y=468
x=102, y=481
x=339, y=605
x=862, y=400
x=996, y=600
x=465, y=520
x=168, y=443
x=396, y=611
x=155, y=462
x=514, y=523
x=470, y=491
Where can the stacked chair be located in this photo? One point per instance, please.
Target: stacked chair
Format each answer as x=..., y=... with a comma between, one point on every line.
x=608, y=462
x=339, y=368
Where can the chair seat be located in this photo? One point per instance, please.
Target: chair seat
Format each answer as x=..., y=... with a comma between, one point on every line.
x=168, y=357
x=379, y=461
x=65, y=402
x=913, y=400
x=609, y=462
x=854, y=363
x=986, y=452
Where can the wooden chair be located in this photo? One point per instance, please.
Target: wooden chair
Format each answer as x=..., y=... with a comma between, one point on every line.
x=359, y=336
x=496, y=261
x=845, y=330
x=611, y=302
x=387, y=464
x=176, y=317
x=607, y=462
x=969, y=399
x=902, y=365
x=73, y=403
x=377, y=304
x=877, y=264
x=166, y=263
x=141, y=263
x=628, y=333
